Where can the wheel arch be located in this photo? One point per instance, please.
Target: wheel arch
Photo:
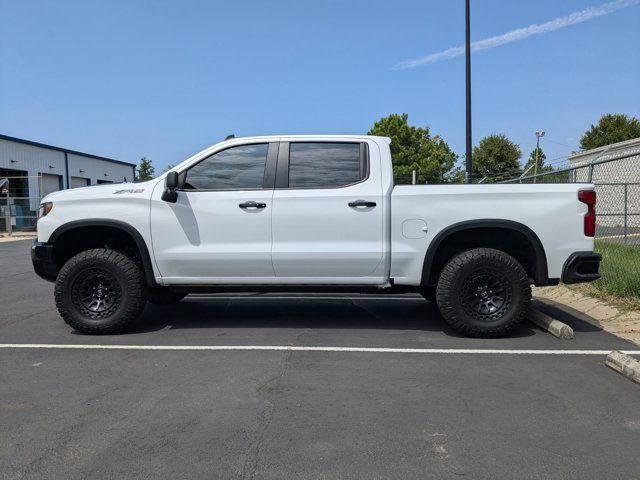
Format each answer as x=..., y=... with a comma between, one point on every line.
x=116, y=225
x=437, y=253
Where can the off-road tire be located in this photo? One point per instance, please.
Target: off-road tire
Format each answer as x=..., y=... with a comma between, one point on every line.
x=476, y=281
x=95, y=276
x=428, y=293
x=164, y=296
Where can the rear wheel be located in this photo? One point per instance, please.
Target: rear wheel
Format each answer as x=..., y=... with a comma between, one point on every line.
x=100, y=291
x=483, y=293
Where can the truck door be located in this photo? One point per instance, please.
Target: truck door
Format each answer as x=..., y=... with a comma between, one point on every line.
x=219, y=230
x=328, y=213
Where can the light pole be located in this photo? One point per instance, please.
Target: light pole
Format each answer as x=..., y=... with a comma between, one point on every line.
x=468, y=86
x=537, y=160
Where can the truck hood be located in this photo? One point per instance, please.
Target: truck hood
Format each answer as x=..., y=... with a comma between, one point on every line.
x=110, y=190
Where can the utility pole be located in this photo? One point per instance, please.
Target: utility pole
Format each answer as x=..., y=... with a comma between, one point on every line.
x=468, y=87
x=537, y=160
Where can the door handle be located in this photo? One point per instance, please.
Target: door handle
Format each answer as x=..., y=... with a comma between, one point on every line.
x=362, y=203
x=252, y=204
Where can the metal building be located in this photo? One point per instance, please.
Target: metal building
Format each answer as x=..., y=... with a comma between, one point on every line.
x=30, y=170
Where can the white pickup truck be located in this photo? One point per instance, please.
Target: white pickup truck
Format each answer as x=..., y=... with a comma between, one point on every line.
x=311, y=213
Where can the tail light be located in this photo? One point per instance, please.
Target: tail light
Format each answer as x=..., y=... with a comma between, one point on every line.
x=589, y=197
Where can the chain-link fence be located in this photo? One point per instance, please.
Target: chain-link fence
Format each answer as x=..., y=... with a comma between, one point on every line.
x=615, y=172
x=19, y=200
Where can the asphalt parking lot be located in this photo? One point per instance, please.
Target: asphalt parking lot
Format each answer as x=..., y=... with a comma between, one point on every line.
x=156, y=409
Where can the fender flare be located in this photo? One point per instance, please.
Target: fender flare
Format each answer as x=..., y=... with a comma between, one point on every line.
x=125, y=227
x=541, y=269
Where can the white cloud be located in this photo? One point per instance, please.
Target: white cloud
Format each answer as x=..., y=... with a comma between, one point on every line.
x=521, y=33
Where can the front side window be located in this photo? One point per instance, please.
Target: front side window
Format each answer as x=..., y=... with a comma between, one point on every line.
x=235, y=168
x=325, y=165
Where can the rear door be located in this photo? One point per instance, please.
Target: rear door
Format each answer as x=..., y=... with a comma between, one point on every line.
x=328, y=213
x=219, y=230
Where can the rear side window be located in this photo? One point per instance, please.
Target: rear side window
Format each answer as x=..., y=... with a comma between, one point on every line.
x=235, y=168
x=325, y=165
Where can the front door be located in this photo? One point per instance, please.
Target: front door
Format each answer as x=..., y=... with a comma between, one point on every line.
x=219, y=230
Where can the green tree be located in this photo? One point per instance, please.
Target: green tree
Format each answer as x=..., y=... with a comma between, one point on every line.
x=145, y=170
x=457, y=175
x=537, y=154
x=496, y=158
x=612, y=128
x=414, y=148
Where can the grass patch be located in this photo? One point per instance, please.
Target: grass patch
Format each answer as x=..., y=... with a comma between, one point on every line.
x=626, y=304
x=620, y=270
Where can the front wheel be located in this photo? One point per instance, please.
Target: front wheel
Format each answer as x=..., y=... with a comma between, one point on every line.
x=100, y=291
x=483, y=293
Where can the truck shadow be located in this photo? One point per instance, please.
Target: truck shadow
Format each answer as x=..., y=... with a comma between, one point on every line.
x=300, y=313
x=579, y=321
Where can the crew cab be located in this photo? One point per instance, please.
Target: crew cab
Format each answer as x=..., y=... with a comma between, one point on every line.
x=311, y=213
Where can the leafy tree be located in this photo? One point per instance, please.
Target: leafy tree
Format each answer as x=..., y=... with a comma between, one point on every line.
x=497, y=158
x=145, y=170
x=457, y=175
x=414, y=148
x=537, y=154
x=611, y=128
x=168, y=167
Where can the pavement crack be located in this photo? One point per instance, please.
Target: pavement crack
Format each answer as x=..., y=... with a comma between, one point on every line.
x=27, y=317
x=264, y=420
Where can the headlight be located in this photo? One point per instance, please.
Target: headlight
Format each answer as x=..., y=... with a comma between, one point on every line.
x=44, y=209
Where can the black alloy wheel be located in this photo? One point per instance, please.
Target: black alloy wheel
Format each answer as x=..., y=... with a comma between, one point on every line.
x=486, y=294
x=96, y=293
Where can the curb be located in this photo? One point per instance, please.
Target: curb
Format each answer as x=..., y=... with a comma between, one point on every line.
x=551, y=325
x=625, y=365
x=13, y=238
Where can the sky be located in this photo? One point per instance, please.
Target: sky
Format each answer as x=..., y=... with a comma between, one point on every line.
x=166, y=79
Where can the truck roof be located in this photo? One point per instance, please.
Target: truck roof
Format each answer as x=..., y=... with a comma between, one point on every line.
x=310, y=137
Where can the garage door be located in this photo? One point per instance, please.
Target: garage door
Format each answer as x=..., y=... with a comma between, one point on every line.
x=50, y=183
x=79, y=182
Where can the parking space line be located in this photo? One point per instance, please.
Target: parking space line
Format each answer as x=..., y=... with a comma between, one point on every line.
x=466, y=351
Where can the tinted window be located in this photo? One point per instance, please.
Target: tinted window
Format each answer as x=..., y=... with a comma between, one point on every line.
x=324, y=165
x=234, y=168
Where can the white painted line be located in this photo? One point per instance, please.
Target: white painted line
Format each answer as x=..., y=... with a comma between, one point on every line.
x=292, y=297
x=473, y=351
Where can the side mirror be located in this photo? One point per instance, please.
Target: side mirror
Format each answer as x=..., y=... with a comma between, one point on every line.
x=170, y=184
x=171, y=181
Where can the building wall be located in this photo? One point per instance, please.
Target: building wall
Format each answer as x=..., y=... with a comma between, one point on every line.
x=95, y=169
x=627, y=169
x=36, y=160
x=616, y=181
x=33, y=160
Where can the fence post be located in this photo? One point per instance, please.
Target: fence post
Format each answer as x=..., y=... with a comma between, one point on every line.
x=590, y=179
x=8, y=217
x=626, y=209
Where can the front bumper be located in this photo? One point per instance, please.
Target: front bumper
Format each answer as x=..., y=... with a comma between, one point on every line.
x=581, y=267
x=43, y=262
